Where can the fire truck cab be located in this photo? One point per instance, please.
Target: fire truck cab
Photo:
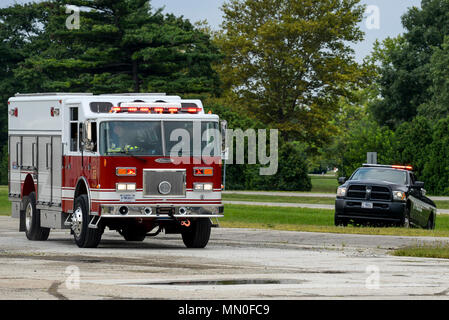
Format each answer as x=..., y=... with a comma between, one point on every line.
x=135, y=163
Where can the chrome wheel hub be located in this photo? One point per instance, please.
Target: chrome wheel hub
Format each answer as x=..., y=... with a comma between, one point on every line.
x=77, y=221
x=28, y=216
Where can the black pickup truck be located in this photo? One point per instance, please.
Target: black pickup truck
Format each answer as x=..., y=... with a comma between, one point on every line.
x=384, y=195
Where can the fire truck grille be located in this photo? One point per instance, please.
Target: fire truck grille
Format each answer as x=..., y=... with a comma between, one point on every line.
x=164, y=183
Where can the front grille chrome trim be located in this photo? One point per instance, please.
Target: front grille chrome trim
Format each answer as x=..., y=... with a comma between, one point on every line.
x=182, y=185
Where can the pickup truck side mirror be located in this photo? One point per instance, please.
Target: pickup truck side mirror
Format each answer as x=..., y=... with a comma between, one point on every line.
x=418, y=185
x=341, y=180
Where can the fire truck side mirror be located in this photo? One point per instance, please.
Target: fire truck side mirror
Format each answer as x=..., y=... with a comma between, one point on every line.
x=224, y=128
x=88, y=142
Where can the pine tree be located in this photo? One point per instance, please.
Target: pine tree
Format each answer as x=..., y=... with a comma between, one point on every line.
x=121, y=46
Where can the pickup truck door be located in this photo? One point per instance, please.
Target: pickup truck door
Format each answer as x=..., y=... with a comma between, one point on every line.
x=427, y=209
x=420, y=210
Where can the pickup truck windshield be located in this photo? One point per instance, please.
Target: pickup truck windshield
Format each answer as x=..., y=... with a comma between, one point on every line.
x=159, y=138
x=381, y=174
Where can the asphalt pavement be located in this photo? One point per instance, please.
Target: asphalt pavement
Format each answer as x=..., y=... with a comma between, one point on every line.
x=236, y=264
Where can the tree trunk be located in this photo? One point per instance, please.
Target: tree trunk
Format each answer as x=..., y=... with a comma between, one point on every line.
x=135, y=77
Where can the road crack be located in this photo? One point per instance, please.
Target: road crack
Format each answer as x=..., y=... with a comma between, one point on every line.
x=53, y=290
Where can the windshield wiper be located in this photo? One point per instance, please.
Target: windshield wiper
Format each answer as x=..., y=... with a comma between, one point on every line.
x=129, y=154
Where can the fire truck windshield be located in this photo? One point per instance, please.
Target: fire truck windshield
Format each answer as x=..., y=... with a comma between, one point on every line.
x=158, y=138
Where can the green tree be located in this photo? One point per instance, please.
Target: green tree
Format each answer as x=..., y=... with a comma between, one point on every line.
x=406, y=64
x=20, y=38
x=413, y=139
x=288, y=61
x=292, y=167
x=436, y=168
x=438, y=105
x=121, y=46
x=366, y=136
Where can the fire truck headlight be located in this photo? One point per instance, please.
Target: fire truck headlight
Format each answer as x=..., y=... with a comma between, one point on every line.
x=208, y=187
x=126, y=187
x=121, y=186
x=202, y=187
x=198, y=187
x=131, y=186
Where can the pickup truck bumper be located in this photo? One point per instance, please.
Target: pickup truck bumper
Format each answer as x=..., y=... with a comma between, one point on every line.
x=382, y=211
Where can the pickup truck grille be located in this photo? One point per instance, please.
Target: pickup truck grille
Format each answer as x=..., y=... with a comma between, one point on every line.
x=377, y=192
x=175, y=179
x=357, y=192
x=380, y=193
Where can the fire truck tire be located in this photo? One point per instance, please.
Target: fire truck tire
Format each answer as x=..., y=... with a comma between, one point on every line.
x=133, y=233
x=85, y=237
x=198, y=234
x=33, y=229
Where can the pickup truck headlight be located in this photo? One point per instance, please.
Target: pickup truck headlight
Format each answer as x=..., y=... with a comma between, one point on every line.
x=399, y=195
x=341, y=192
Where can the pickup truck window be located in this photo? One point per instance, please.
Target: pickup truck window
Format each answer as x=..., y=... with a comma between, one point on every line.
x=381, y=174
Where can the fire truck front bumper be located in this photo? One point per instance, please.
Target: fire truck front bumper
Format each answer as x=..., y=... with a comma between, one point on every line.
x=142, y=211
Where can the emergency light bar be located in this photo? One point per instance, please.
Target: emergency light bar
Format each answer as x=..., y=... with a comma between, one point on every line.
x=156, y=107
x=400, y=167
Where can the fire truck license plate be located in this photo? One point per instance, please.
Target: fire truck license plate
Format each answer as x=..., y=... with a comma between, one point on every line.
x=127, y=198
x=367, y=205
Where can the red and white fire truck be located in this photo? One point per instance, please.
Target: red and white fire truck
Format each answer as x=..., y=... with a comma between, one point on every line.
x=134, y=163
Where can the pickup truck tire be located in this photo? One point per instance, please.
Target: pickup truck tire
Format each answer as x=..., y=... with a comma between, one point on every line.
x=198, y=234
x=431, y=222
x=339, y=222
x=84, y=236
x=406, y=218
x=33, y=229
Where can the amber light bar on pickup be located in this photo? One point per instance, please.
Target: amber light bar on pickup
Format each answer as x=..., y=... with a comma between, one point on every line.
x=400, y=167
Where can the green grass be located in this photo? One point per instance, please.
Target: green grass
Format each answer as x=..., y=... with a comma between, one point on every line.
x=312, y=220
x=5, y=205
x=324, y=184
x=437, y=250
x=442, y=204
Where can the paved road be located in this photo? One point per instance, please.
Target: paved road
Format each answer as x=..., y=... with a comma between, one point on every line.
x=237, y=264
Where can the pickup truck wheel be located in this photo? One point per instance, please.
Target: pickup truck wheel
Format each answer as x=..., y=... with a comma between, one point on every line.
x=33, y=229
x=431, y=222
x=406, y=219
x=198, y=234
x=84, y=236
x=339, y=222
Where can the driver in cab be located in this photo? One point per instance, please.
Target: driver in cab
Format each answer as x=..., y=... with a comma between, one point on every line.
x=123, y=139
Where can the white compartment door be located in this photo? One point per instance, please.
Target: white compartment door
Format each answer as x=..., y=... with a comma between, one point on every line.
x=56, y=170
x=44, y=170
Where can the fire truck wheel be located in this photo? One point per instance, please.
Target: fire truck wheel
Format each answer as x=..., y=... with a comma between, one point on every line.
x=85, y=237
x=133, y=233
x=33, y=229
x=198, y=234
